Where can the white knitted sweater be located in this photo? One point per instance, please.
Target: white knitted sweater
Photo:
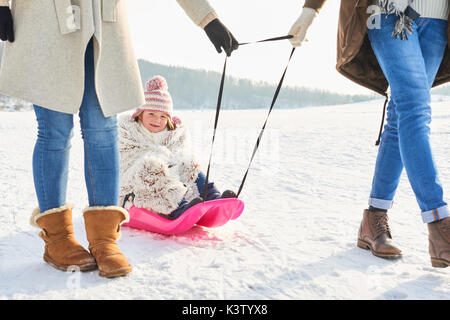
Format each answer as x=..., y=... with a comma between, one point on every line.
x=437, y=9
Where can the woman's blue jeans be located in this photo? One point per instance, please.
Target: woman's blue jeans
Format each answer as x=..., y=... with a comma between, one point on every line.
x=52, y=149
x=410, y=66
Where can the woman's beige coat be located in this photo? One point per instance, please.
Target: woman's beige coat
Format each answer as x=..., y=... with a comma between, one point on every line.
x=45, y=63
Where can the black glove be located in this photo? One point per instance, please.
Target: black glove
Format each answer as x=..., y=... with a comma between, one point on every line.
x=221, y=37
x=6, y=24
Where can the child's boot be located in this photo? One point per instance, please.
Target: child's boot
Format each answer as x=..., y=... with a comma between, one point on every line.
x=228, y=194
x=184, y=206
x=212, y=193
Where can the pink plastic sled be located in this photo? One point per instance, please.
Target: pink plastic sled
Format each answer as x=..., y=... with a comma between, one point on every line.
x=210, y=214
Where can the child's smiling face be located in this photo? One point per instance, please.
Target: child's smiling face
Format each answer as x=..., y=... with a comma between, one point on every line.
x=154, y=121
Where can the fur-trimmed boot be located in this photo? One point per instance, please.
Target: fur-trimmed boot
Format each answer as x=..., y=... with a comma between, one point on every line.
x=102, y=230
x=61, y=249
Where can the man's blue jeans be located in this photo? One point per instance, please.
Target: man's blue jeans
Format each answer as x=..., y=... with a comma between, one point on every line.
x=410, y=66
x=52, y=149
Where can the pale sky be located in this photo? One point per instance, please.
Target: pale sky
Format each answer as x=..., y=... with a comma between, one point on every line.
x=163, y=33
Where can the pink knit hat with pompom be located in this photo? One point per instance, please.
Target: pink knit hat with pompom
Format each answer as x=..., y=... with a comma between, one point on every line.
x=157, y=97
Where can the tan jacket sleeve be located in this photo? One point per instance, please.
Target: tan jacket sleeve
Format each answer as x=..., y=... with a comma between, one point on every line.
x=4, y=3
x=314, y=4
x=200, y=11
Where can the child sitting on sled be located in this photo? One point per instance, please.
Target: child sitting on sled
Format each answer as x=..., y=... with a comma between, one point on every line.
x=157, y=166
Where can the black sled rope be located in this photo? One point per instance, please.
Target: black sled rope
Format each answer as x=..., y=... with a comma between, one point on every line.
x=219, y=103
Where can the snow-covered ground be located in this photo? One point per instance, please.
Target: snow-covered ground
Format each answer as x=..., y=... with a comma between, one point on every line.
x=296, y=239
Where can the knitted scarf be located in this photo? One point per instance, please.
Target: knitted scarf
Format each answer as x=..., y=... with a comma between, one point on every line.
x=405, y=14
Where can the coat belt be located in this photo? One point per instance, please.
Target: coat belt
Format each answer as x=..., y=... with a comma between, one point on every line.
x=69, y=18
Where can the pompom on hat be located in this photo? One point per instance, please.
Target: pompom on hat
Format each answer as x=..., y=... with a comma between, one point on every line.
x=157, y=97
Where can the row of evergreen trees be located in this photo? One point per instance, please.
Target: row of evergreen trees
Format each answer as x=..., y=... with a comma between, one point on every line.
x=198, y=89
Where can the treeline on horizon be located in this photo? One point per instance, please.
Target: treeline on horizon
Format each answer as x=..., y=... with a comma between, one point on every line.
x=198, y=89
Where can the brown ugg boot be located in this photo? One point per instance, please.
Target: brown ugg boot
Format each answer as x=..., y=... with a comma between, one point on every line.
x=439, y=243
x=374, y=234
x=102, y=230
x=61, y=249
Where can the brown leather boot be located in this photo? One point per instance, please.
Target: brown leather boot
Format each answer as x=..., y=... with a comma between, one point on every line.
x=439, y=243
x=374, y=235
x=102, y=230
x=61, y=249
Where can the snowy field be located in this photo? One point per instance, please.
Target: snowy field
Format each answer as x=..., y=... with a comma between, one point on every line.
x=296, y=239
